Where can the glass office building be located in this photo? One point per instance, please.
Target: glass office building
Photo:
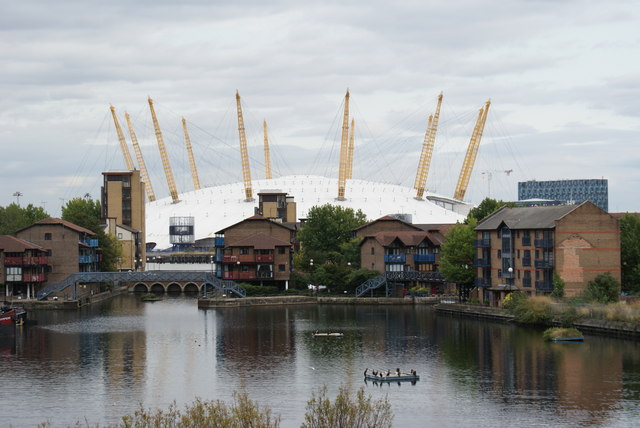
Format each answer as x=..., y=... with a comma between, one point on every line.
x=567, y=191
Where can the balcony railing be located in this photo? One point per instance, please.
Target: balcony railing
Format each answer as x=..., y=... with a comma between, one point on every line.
x=13, y=261
x=483, y=263
x=264, y=258
x=544, y=264
x=483, y=282
x=545, y=286
x=90, y=242
x=88, y=259
x=219, y=242
x=526, y=282
x=229, y=259
x=238, y=275
x=415, y=275
x=424, y=258
x=264, y=275
x=544, y=243
x=23, y=261
x=32, y=277
x=394, y=258
x=218, y=258
x=247, y=258
x=483, y=243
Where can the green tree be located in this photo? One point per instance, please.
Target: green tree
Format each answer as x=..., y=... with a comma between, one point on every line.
x=630, y=252
x=347, y=411
x=86, y=213
x=458, y=253
x=487, y=207
x=328, y=227
x=14, y=217
x=558, y=286
x=603, y=289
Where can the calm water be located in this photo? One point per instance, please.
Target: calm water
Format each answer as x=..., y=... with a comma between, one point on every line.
x=102, y=362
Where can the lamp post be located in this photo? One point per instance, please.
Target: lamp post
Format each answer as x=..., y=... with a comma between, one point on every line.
x=510, y=279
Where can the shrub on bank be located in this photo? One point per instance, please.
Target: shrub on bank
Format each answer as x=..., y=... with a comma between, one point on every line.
x=529, y=310
x=345, y=411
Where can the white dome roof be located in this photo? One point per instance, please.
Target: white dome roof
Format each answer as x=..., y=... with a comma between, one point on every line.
x=215, y=208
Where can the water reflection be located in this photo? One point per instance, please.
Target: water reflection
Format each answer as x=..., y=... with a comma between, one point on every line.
x=101, y=362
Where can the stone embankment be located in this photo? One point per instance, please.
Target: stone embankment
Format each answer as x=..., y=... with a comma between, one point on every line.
x=205, y=303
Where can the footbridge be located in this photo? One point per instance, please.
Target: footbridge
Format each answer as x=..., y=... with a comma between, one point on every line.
x=146, y=281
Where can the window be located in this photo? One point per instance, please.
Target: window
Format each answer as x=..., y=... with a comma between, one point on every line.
x=281, y=268
x=499, y=254
x=499, y=273
x=373, y=266
x=280, y=250
x=373, y=251
x=244, y=250
x=518, y=253
x=47, y=237
x=120, y=235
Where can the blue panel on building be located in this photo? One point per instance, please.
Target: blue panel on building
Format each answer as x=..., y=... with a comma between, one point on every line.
x=567, y=191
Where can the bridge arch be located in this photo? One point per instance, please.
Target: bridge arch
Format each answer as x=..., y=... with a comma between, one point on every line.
x=157, y=288
x=191, y=288
x=140, y=288
x=174, y=288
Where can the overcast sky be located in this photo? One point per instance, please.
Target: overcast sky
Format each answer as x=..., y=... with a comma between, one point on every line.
x=563, y=78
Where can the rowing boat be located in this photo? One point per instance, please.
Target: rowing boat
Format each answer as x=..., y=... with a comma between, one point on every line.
x=393, y=378
x=316, y=334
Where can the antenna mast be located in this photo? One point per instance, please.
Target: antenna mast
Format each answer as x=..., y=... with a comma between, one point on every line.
x=123, y=142
x=143, y=167
x=246, y=170
x=344, y=148
x=192, y=161
x=163, y=154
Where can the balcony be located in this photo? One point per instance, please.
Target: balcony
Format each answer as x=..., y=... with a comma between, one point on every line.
x=544, y=243
x=13, y=261
x=247, y=258
x=424, y=258
x=264, y=258
x=545, y=286
x=219, y=242
x=264, y=275
x=483, y=243
x=86, y=259
x=32, y=277
x=229, y=259
x=90, y=242
x=414, y=275
x=394, y=258
x=218, y=258
x=483, y=263
x=544, y=264
x=238, y=275
x=482, y=282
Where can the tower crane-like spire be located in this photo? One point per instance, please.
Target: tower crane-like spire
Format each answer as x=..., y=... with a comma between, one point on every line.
x=163, y=155
x=192, y=161
x=350, y=152
x=427, y=151
x=143, y=168
x=267, y=155
x=123, y=142
x=344, y=149
x=472, y=153
x=244, y=154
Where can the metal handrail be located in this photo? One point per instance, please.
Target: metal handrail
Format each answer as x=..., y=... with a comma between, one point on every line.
x=370, y=284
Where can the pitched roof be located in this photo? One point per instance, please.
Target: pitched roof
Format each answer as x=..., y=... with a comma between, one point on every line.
x=408, y=238
x=11, y=244
x=59, y=221
x=387, y=218
x=258, y=218
x=261, y=241
x=526, y=217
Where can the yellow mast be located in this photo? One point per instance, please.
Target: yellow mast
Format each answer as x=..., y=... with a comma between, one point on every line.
x=163, y=155
x=244, y=154
x=192, y=161
x=427, y=151
x=141, y=164
x=342, y=172
x=350, y=152
x=472, y=152
x=123, y=142
x=267, y=155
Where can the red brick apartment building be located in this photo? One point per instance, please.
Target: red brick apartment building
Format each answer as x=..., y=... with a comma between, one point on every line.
x=23, y=267
x=71, y=248
x=256, y=250
x=521, y=248
x=406, y=253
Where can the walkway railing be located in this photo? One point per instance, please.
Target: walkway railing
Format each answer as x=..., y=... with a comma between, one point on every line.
x=205, y=277
x=371, y=284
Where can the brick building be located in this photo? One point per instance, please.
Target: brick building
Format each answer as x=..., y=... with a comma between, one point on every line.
x=23, y=267
x=71, y=248
x=407, y=254
x=521, y=248
x=256, y=250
